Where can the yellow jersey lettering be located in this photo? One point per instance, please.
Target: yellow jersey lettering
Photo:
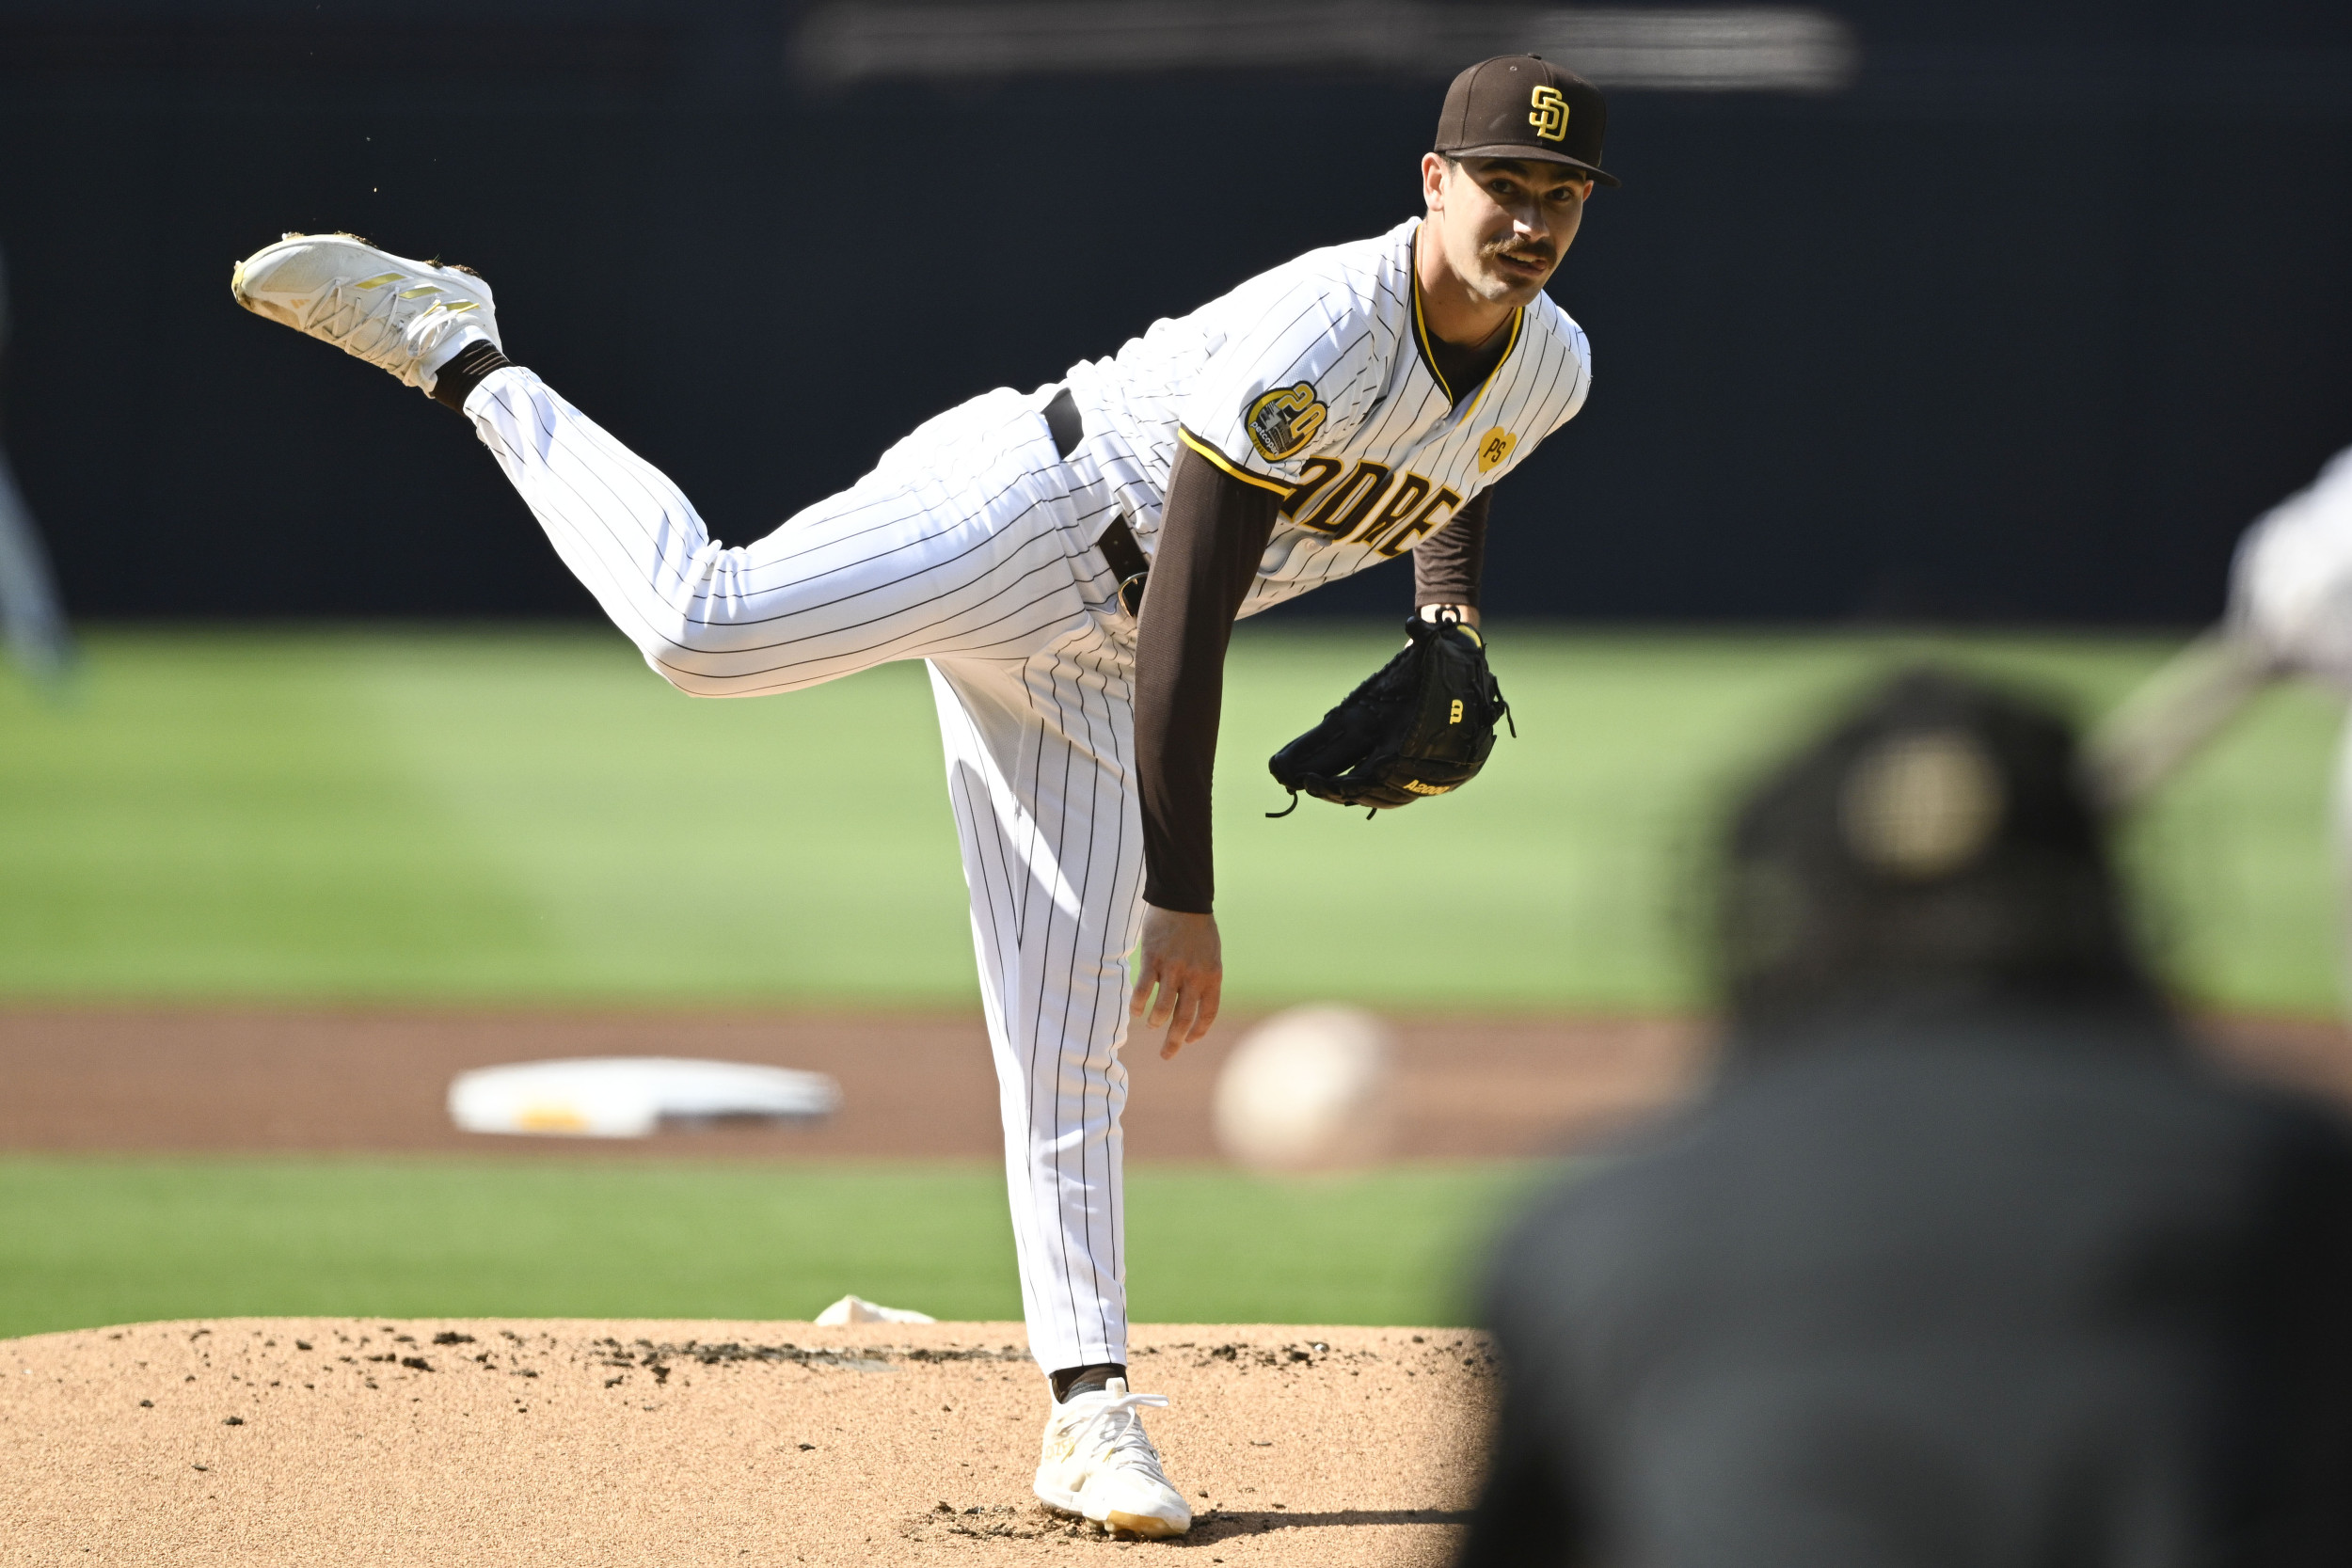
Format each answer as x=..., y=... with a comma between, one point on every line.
x=1427, y=522
x=1316, y=473
x=1347, y=501
x=1404, y=500
x=1456, y=717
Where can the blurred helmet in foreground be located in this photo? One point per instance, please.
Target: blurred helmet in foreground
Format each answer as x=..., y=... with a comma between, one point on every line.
x=1308, y=1089
x=1938, y=837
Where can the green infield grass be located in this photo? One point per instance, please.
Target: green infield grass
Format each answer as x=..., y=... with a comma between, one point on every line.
x=529, y=816
x=85, y=1243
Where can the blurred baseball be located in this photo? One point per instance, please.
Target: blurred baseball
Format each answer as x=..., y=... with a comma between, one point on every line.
x=1308, y=1089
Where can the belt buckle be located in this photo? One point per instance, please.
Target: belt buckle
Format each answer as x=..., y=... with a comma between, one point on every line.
x=1130, y=594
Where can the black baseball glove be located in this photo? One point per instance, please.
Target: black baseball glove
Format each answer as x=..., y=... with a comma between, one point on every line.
x=1421, y=727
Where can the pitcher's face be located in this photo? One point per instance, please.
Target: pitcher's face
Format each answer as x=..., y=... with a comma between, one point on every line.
x=1503, y=223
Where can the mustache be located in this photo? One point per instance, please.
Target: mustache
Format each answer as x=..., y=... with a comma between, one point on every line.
x=1524, y=249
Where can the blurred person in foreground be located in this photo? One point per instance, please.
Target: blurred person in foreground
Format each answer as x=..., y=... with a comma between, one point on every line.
x=1966, y=1259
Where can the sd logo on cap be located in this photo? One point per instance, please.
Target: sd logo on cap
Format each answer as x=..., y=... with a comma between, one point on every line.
x=1524, y=106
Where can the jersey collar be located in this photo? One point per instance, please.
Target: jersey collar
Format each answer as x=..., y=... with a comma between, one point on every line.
x=1420, y=334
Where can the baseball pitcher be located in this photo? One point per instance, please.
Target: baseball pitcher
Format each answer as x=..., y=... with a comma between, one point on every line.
x=1069, y=563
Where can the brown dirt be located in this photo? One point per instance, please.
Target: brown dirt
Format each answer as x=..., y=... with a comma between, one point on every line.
x=123, y=1080
x=677, y=1444
x=111, y=1079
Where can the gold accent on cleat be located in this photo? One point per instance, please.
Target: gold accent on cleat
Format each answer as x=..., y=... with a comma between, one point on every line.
x=393, y=319
x=1140, y=1523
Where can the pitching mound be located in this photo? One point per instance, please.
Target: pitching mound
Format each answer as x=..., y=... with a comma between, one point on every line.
x=542, y=1442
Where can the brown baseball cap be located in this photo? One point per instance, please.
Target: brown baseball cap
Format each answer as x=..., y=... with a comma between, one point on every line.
x=1524, y=106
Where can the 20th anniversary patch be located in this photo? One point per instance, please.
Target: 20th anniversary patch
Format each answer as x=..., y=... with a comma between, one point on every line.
x=1284, y=421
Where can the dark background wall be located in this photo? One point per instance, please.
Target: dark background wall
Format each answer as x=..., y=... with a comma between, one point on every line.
x=2021, y=327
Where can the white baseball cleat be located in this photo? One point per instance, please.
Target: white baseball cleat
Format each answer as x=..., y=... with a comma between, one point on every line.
x=1097, y=1464
x=409, y=317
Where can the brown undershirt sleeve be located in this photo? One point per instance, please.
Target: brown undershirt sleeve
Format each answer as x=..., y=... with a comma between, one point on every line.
x=1213, y=531
x=1448, y=563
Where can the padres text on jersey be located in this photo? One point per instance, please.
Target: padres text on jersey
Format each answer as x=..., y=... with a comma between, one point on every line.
x=1315, y=380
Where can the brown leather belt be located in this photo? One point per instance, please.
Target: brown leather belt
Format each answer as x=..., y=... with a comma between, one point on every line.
x=1128, y=562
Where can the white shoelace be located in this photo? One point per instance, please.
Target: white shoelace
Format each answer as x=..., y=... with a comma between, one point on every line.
x=344, y=315
x=1115, y=1429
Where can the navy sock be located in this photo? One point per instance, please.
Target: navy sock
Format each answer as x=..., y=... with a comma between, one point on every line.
x=1072, y=1381
x=458, y=379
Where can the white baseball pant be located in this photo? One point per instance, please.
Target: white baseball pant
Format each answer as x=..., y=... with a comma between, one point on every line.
x=970, y=545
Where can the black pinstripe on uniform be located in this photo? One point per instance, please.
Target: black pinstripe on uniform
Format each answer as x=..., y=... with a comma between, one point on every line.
x=971, y=545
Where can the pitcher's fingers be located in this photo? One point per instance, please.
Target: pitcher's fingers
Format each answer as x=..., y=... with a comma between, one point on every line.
x=1212, y=994
x=1180, y=1021
x=1164, y=1004
x=1147, y=973
x=1201, y=998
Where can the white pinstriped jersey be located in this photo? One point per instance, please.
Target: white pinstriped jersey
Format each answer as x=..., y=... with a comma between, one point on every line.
x=971, y=545
x=1314, y=380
